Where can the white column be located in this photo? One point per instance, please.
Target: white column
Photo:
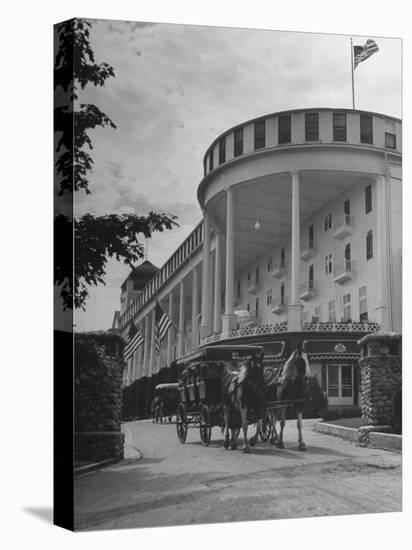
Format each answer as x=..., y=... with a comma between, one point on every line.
x=146, y=346
x=152, y=345
x=170, y=331
x=195, y=306
x=181, y=319
x=140, y=372
x=218, y=284
x=295, y=307
x=205, y=327
x=229, y=318
x=381, y=251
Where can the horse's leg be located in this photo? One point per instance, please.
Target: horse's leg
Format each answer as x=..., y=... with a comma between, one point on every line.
x=226, y=442
x=243, y=414
x=274, y=435
x=279, y=443
x=254, y=438
x=302, y=445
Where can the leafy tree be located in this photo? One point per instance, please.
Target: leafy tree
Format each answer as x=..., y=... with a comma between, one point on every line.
x=96, y=238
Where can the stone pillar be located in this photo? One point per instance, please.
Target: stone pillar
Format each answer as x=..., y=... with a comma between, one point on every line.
x=381, y=381
x=205, y=327
x=295, y=307
x=195, y=306
x=170, y=331
x=152, y=345
x=146, y=346
x=381, y=251
x=181, y=335
x=229, y=319
x=218, y=284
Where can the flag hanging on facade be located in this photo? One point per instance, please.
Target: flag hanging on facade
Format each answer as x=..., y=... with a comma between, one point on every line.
x=135, y=339
x=360, y=53
x=162, y=325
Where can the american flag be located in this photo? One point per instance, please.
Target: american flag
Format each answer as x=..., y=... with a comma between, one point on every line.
x=162, y=325
x=361, y=53
x=135, y=339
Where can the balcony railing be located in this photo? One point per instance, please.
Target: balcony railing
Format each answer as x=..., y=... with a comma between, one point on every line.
x=343, y=227
x=280, y=304
x=344, y=271
x=341, y=327
x=279, y=271
x=252, y=288
x=277, y=328
x=308, y=250
x=308, y=289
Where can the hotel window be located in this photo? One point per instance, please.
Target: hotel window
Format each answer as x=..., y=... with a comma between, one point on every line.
x=366, y=133
x=282, y=292
x=318, y=313
x=257, y=275
x=363, y=304
x=222, y=151
x=248, y=307
x=270, y=262
x=269, y=297
x=390, y=140
x=311, y=127
x=238, y=143
x=248, y=277
x=328, y=264
x=257, y=307
x=339, y=127
x=368, y=199
x=260, y=134
x=211, y=160
x=328, y=221
x=369, y=245
x=282, y=257
x=238, y=289
x=285, y=129
x=346, y=307
x=332, y=311
x=311, y=277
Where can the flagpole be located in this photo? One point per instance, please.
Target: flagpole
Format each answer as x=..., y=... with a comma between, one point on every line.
x=353, y=84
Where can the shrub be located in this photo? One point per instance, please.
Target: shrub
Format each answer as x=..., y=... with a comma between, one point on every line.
x=316, y=399
x=397, y=409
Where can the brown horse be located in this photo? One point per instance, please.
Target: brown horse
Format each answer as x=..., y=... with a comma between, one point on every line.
x=243, y=390
x=291, y=385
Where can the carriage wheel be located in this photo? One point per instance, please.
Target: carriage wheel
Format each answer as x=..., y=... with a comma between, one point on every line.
x=205, y=428
x=181, y=423
x=265, y=428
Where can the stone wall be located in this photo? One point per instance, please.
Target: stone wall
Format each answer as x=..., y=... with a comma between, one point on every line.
x=381, y=377
x=98, y=396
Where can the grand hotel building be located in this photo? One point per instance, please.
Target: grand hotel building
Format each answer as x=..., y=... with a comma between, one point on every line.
x=300, y=240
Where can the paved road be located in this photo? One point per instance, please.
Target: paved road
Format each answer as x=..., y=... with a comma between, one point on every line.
x=175, y=484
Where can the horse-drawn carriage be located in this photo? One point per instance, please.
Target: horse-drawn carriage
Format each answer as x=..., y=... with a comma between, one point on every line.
x=166, y=397
x=202, y=388
x=226, y=386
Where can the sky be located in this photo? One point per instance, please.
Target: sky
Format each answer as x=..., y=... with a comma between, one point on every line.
x=177, y=87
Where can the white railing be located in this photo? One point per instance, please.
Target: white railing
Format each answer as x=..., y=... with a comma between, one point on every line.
x=341, y=327
x=309, y=244
x=342, y=267
x=277, y=328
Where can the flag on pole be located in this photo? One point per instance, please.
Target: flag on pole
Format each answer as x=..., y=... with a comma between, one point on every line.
x=135, y=339
x=162, y=325
x=361, y=53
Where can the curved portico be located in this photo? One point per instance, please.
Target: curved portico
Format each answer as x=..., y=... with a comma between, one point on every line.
x=301, y=231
